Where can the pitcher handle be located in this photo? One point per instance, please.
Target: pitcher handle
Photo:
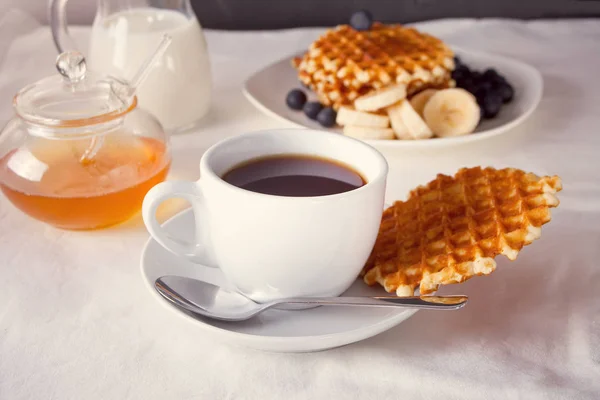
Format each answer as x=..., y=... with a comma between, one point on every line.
x=57, y=12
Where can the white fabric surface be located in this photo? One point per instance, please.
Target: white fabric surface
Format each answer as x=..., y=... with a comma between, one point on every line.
x=76, y=321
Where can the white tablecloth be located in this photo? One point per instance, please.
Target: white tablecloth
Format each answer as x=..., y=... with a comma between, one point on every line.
x=76, y=321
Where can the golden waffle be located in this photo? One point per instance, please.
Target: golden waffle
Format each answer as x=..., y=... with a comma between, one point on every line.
x=452, y=228
x=344, y=64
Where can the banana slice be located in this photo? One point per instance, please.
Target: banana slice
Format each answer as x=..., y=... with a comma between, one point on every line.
x=381, y=98
x=400, y=130
x=403, y=113
x=348, y=116
x=452, y=112
x=419, y=100
x=368, y=133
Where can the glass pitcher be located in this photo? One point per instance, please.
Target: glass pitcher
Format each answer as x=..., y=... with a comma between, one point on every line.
x=178, y=89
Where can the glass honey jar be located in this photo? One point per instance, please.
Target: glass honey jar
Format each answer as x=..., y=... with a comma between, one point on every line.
x=79, y=153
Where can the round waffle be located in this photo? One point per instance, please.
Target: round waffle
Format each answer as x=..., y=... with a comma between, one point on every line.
x=451, y=229
x=344, y=64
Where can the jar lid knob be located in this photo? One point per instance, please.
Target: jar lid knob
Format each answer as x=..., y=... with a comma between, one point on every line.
x=71, y=65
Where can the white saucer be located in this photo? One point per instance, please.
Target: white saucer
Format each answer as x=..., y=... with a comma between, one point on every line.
x=274, y=330
x=268, y=88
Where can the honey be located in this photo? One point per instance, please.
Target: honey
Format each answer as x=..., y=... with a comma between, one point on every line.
x=48, y=180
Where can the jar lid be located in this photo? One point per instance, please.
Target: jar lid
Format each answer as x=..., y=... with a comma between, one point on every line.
x=75, y=98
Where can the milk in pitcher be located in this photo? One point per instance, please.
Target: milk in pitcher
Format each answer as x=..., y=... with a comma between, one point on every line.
x=177, y=90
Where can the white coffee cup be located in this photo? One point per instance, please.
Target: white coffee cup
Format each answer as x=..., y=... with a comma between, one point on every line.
x=272, y=247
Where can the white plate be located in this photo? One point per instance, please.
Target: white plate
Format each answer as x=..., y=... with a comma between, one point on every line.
x=274, y=330
x=268, y=88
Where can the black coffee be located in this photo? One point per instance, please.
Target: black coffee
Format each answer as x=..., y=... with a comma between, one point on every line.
x=294, y=175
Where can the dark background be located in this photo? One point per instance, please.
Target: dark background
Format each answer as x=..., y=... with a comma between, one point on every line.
x=276, y=14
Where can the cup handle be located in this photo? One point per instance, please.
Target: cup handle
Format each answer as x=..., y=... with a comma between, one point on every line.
x=191, y=192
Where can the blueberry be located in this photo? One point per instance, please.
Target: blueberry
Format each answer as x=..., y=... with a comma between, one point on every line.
x=467, y=84
x=464, y=80
x=485, y=85
x=476, y=76
x=460, y=72
x=498, y=81
x=481, y=90
x=480, y=94
x=458, y=62
x=312, y=109
x=491, y=105
x=326, y=117
x=295, y=99
x=490, y=75
x=506, y=92
x=361, y=20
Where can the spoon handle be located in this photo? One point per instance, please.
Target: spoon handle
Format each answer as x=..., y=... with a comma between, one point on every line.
x=420, y=302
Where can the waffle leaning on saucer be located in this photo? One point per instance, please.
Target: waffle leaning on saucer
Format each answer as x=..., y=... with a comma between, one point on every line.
x=452, y=228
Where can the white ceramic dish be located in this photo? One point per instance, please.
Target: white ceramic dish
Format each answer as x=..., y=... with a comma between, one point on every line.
x=268, y=88
x=274, y=330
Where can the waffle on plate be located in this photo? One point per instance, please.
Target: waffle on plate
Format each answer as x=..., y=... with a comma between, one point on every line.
x=344, y=64
x=379, y=69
